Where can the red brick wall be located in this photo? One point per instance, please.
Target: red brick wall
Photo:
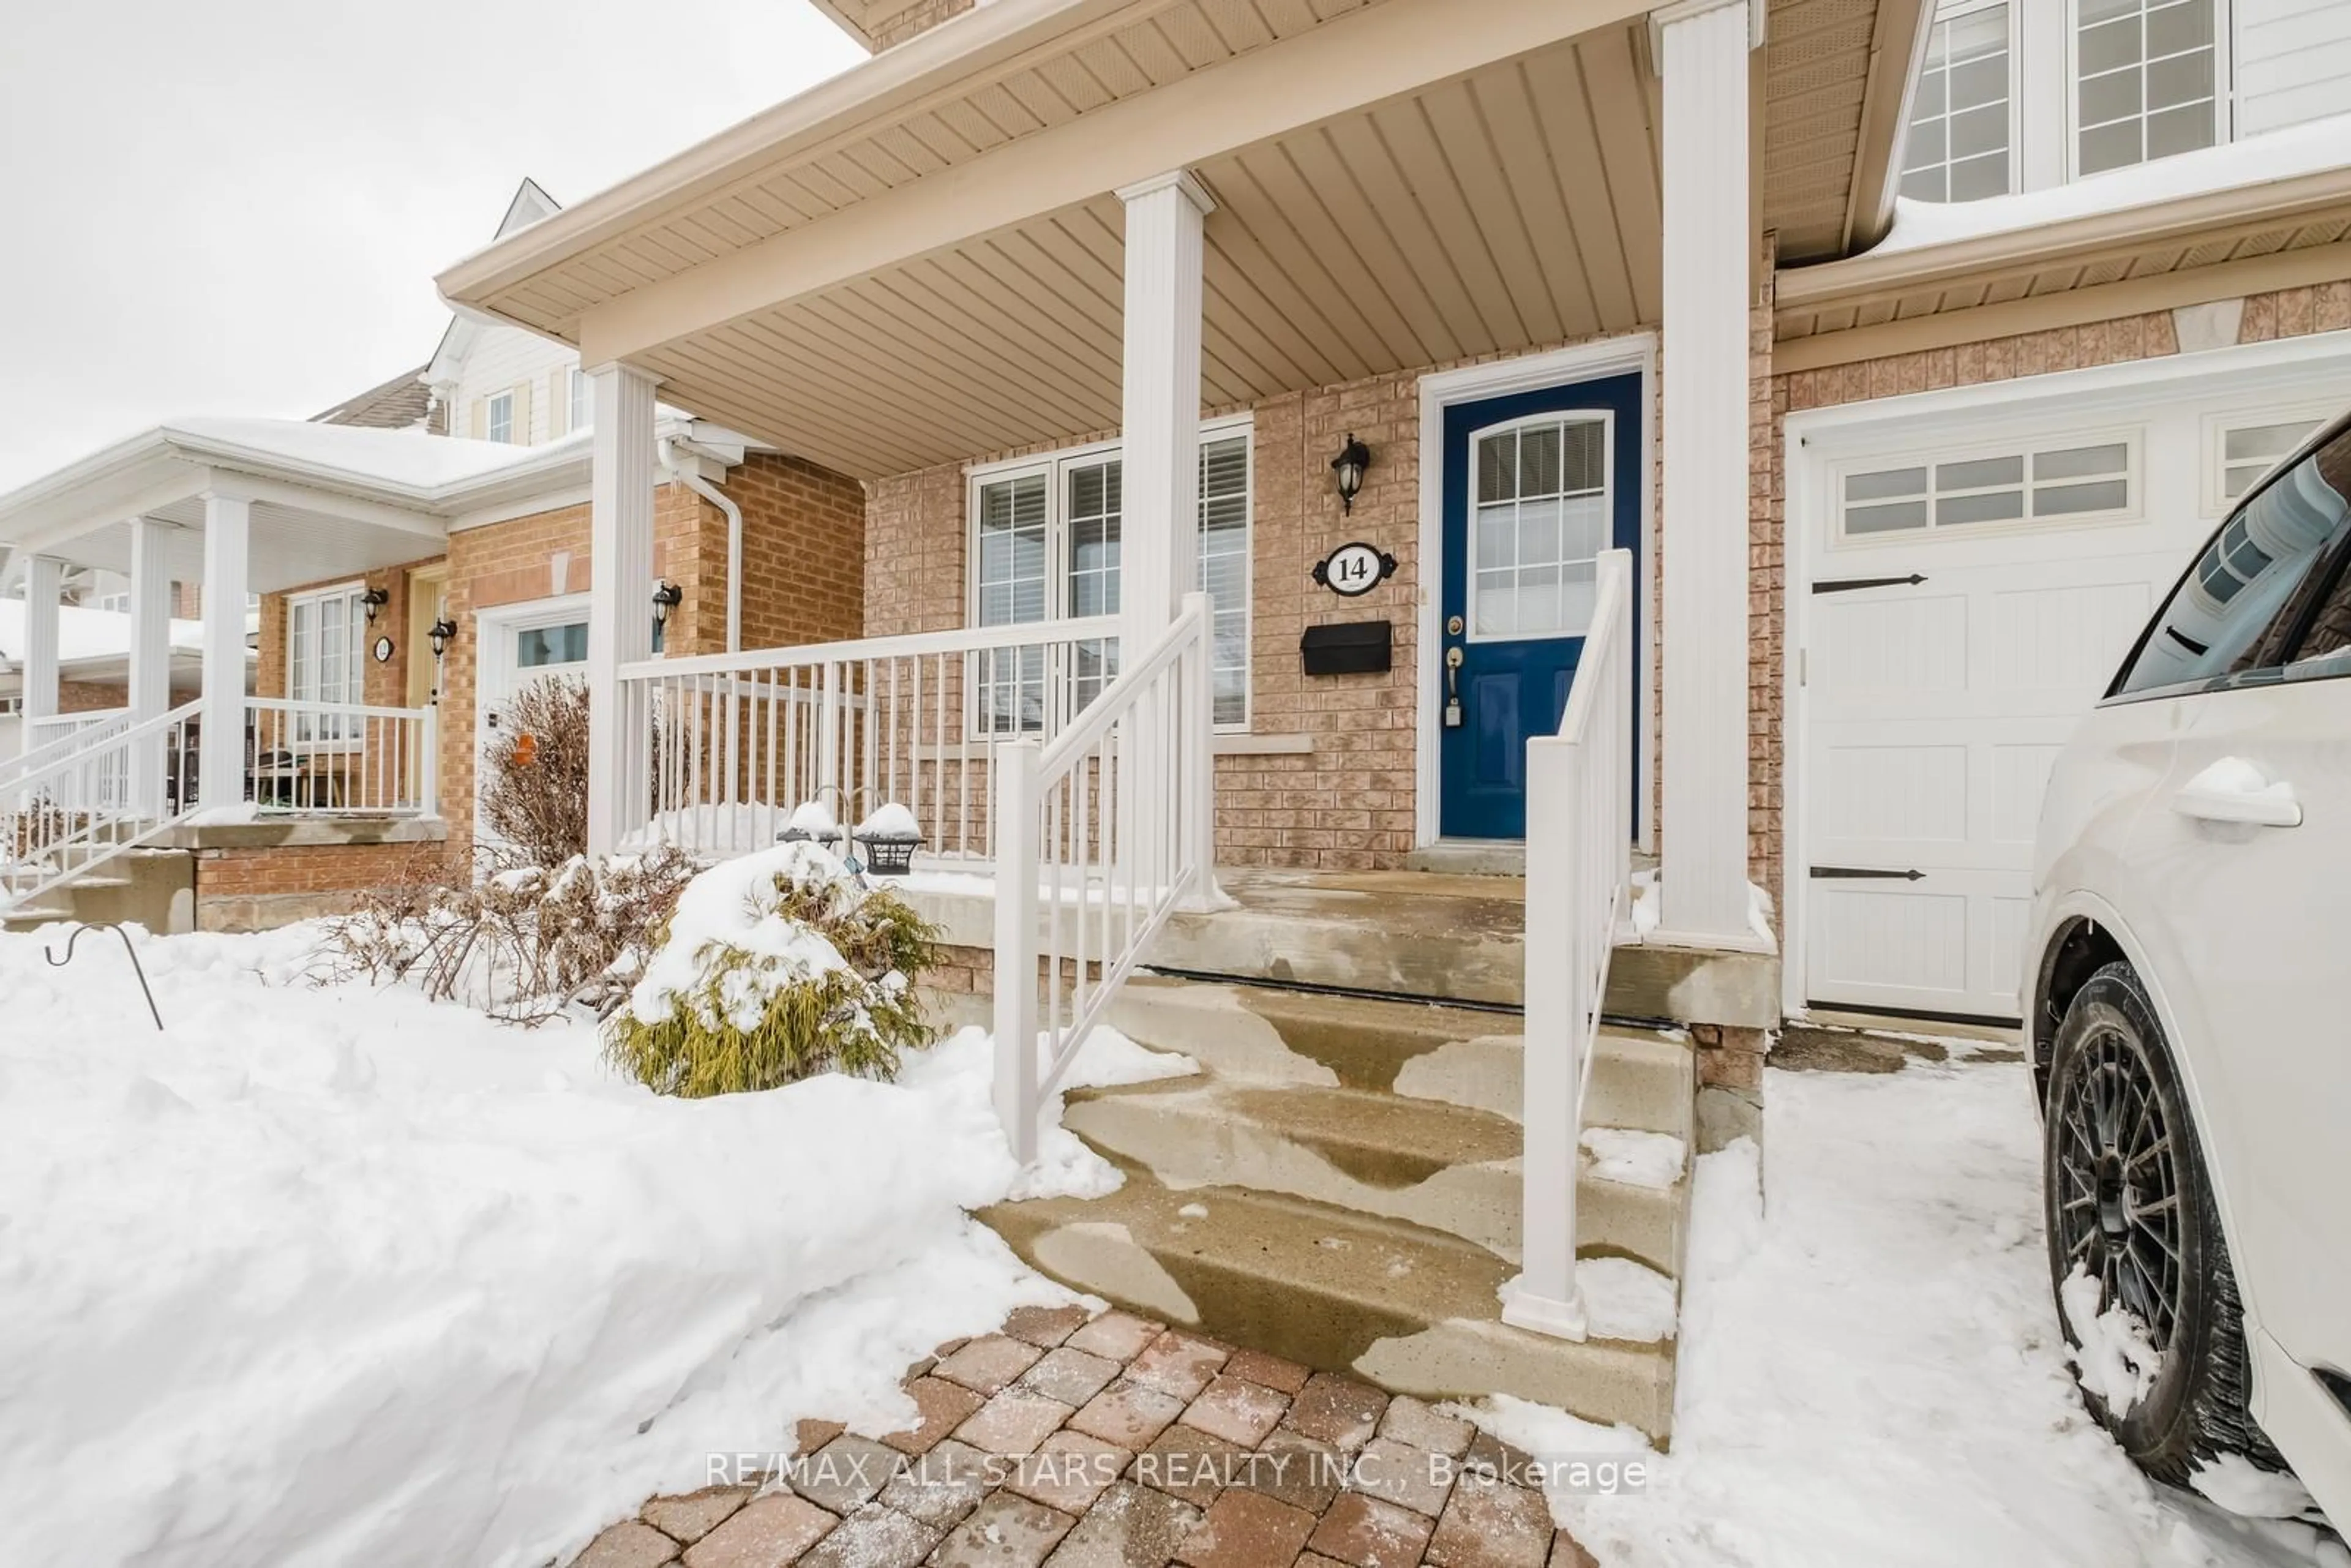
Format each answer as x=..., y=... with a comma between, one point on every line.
x=263, y=872
x=2283, y=313
x=382, y=685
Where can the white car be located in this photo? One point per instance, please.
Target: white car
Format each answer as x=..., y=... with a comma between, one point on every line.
x=2189, y=1011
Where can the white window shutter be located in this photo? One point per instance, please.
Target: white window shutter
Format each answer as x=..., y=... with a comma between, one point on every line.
x=559, y=402
x=478, y=422
x=522, y=414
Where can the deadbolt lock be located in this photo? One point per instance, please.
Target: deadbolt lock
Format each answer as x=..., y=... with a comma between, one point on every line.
x=1453, y=626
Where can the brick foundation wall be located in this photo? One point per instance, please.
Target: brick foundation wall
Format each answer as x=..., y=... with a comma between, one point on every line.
x=2282, y=313
x=258, y=888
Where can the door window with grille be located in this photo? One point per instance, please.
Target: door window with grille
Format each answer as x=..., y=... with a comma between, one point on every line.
x=1541, y=520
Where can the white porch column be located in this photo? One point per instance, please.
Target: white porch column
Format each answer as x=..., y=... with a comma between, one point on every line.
x=151, y=658
x=44, y=578
x=1158, y=540
x=228, y=541
x=620, y=608
x=1702, y=53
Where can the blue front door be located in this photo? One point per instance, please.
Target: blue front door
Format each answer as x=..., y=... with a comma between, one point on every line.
x=1536, y=485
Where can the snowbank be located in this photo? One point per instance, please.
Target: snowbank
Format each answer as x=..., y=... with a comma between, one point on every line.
x=322, y=1276
x=1872, y=1372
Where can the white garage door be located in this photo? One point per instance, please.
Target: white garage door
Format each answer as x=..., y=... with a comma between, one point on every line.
x=1968, y=602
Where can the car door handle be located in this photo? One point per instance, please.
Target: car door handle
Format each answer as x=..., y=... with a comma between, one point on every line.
x=2233, y=791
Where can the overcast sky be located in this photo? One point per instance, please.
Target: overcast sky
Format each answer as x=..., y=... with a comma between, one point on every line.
x=238, y=207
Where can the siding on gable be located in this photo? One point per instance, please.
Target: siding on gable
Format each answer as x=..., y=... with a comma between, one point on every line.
x=508, y=358
x=2292, y=62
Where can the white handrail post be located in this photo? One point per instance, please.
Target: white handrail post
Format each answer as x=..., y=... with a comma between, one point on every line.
x=1543, y=1298
x=1015, y=945
x=828, y=744
x=428, y=773
x=1199, y=758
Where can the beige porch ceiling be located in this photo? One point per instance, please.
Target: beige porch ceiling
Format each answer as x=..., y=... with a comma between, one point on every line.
x=922, y=260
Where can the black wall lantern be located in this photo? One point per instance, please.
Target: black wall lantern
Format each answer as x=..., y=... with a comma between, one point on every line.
x=443, y=632
x=1349, y=466
x=373, y=599
x=667, y=596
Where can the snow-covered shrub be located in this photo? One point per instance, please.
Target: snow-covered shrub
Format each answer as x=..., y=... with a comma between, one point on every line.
x=775, y=967
x=518, y=944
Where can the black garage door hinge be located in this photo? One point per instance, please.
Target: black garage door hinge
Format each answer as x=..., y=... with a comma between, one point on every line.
x=1865, y=874
x=1852, y=584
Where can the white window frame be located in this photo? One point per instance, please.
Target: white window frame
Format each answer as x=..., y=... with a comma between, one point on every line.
x=498, y=409
x=1606, y=419
x=578, y=402
x=2069, y=118
x=1054, y=468
x=1953, y=11
x=2134, y=473
x=312, y=734
x=2217, y=502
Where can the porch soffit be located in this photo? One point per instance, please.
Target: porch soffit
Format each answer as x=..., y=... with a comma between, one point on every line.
x=1487, y=182
x=1837, y=77
x=2089, y=268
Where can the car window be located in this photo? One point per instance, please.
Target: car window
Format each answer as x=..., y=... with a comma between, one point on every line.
x=2240, y=606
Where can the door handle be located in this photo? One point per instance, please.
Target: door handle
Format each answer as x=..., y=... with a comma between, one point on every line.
x=2233, y=791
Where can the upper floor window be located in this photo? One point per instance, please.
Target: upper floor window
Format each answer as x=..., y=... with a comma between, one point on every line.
x=581, y=406
x=497, y=418
x=2145, y=81
x=1958, y=145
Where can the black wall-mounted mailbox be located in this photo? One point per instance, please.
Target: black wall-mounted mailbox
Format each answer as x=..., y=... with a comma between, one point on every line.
x=1350, y=648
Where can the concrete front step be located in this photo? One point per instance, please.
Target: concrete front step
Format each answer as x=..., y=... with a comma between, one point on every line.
x=1448, y=1167
x=152, y=888
x=1411, y=1309
x=1641, y=1080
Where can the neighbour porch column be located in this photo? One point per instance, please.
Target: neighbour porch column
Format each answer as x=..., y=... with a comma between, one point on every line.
x=228, y=543
x=45, y=578
x=1702, y=48
x=620, y=607
x=1159, y=526
x=149, y=694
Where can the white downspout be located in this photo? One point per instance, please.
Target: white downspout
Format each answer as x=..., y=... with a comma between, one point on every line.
x=670, y=448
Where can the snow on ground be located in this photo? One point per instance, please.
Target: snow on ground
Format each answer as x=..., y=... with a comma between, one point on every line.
x=333, y=1275
x=1871, y=1370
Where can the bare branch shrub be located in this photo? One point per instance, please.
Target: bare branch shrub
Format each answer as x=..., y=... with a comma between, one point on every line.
x=534, y=775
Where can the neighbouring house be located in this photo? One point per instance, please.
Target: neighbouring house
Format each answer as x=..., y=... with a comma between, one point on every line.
x=1232, y=471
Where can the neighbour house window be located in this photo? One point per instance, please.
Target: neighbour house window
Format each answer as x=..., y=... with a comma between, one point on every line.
x=325, y=658
x=2073, y=482
x=2267, y=594
x=1045, y=545
x=2145, y=81
x=497, y=418
x=581, y=408
x=1956, y=148
x=1542, y=518
x=117, y=603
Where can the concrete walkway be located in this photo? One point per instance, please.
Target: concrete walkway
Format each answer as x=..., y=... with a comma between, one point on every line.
x=1112, y=1442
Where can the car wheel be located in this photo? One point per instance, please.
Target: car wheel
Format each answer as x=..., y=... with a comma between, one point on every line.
x=2129, y=1203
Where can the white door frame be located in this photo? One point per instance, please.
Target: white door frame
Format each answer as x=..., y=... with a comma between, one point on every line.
x=494, y=630
x=1440, y=391
x=2258, y=374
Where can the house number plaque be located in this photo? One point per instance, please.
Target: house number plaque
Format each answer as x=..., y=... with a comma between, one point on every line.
x=1355, y=569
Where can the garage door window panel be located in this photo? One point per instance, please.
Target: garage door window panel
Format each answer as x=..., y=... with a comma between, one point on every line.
x=2073, y=483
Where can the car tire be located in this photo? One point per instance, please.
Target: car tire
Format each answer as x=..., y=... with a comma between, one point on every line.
x=2118, y=1134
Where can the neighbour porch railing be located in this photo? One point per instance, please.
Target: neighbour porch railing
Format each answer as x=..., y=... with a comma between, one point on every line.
x=340, y=758
x=56, y=735
x=738, y=740
x=111, y=785
x=1101, y=835
x=1579, y=877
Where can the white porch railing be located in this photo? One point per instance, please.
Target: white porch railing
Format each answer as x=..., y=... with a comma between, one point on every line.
x=110, y=785
x=737, y=740
x=57, y=736
x=340, y=758
x=64, y=817
x=1579, y=877
x=1102, y=834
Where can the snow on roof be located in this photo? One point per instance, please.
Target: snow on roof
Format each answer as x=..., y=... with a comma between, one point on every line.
x=85, y=634
x=415, y=459
x=2279, y=155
